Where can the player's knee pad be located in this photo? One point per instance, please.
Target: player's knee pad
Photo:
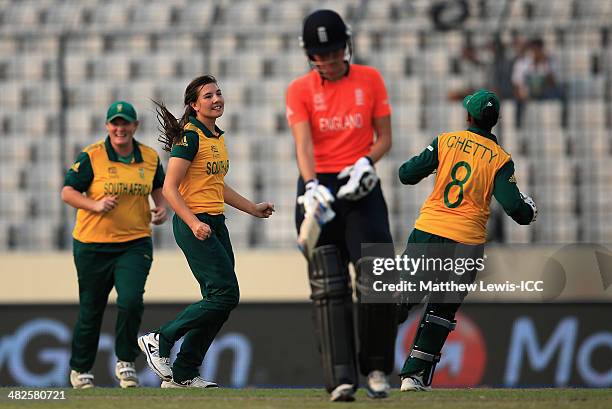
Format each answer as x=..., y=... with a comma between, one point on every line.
x=429, y=340
x=377, y=322
x=331, y=293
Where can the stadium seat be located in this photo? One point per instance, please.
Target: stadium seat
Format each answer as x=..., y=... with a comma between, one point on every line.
x=540, y=114
x=10, y=95
x=63, y=14
x=444, y=117
x=592, y=87
x=154, y=14
x=594, y=9
x=84, y=45
x=587, y=114
x=115, y=13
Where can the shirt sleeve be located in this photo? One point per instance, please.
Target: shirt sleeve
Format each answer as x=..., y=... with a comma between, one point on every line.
x=518, y=72
x=420, y=166
x=506, y=192
x=158, y=179
x=381, y=99
x=80, y=175
x=296, y=109
x=186, y=148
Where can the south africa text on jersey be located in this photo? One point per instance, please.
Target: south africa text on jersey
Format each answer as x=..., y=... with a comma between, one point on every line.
x=132, y=189
x=218, y=167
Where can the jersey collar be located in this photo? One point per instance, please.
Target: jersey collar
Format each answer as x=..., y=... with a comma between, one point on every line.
x=484, y=133
x=346, y=74
x=112, y=155
x=204, y=129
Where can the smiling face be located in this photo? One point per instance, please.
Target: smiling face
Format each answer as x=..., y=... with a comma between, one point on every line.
x=210, y=103
x=121, y=132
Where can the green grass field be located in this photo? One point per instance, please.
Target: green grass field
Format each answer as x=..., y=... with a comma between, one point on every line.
x=149, y=398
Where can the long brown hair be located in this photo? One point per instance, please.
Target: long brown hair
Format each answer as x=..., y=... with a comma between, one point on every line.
x=171, y=128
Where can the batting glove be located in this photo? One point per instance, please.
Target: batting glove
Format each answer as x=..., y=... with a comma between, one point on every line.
x=362, y=179
x=531, y=204
x=317, y=199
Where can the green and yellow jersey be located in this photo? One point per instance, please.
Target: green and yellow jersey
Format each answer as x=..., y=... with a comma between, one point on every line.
x=470, y=168
x=203, y=185
x=98, y=172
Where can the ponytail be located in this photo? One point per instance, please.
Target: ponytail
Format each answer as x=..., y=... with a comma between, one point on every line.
x=170, y=128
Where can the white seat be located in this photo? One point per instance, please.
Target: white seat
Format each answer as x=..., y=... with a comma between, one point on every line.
x=14, y=205
x=15, y=150
x=64, y=14
x=243, y=13
x=39, y=234
x=288, y=13
x=156, y=14
x=554, y=198
x=241, y=177
x=594, y=9
x=292, y=64
x=113, y=67
x=200, y=15
x=9, y=171
x=189, y=66
x=84, y=45
x=587, y=114
x=404, y=90
x=10, y=95
x=16, y=15
x=8, y=47
x=444, y=117
x=158, y=66
x=94, y=94
x=576, y=62
x=47, y=195
x=407, y=118
x=558, y=11
x=112, y=14
x=586, y=88
x=542, y=113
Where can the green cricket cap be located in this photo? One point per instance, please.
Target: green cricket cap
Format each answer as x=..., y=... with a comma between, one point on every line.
x=482, y=104
x=121, y=109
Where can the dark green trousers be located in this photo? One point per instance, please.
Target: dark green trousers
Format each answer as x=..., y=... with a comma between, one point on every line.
x=100, y=266
x=433, y=340
x=212, y=264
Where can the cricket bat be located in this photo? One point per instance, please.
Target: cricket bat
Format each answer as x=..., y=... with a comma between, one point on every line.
x=309, y=234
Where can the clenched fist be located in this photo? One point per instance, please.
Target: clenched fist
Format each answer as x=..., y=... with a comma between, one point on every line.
x=201, y=230
x=159, y=215
x=105, y=204
x=263, y=210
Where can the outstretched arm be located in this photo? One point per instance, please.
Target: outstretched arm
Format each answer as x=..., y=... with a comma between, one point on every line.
x=420, y=166
x=236, y=200
x=506, y=192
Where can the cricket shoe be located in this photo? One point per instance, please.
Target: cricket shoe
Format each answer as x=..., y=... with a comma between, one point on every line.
x=149, y=344
x=125, y=372
x=414, y=383
x=378, y=386
x=81, y=380
x=343, y=393
x=196, y=382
